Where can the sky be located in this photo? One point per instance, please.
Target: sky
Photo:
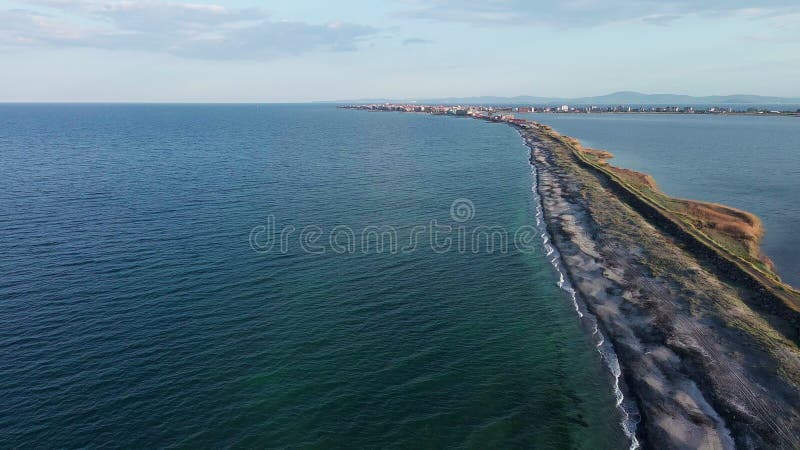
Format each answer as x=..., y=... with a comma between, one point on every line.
x=304, y=50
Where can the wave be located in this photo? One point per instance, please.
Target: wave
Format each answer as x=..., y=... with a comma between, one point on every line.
x=627, y=408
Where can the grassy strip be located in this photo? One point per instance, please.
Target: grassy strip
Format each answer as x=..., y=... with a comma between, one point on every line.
x=738, y=263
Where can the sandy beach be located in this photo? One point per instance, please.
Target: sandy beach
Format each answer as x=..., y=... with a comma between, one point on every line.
x=709, y=356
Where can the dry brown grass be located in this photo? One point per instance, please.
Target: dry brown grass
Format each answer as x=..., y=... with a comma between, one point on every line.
x=641, y=180
x=738, y=231
x=601, y=155
x=638, y=179
x=724, y=219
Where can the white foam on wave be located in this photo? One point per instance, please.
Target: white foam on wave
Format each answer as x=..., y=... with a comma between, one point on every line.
x=628, y=409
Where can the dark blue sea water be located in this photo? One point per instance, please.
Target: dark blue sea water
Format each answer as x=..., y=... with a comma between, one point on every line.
x=748, y=162
x=136, y=313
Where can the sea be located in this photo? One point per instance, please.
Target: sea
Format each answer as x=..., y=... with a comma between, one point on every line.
x=749, y=162
x=303, y=276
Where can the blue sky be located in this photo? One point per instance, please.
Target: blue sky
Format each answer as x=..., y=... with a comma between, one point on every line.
x=300, y=50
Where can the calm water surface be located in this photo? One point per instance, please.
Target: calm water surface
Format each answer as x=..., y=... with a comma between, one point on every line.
x=135, y=313
x=748, y=162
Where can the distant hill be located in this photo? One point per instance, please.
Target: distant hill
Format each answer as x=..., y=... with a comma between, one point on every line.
x=617, y=98
x=660, y=99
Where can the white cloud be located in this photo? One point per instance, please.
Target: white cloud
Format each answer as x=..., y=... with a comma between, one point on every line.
x=575, y=13
x=783, y=29
x=417, y=41
x=183, y=29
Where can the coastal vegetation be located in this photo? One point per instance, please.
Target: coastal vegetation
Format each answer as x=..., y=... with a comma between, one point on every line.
x=739, y=232
x=681, y=309
x=731, y=234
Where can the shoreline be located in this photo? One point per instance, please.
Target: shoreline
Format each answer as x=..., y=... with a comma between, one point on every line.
x=656, y=113
x=575, y=110
x=744, y=265
x=660, y=113
x=763, y=272
x=678, y=363
x=706, y=334
x=629, y=412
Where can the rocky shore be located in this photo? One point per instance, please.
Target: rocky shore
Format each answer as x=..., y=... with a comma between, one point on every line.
x=708, y=352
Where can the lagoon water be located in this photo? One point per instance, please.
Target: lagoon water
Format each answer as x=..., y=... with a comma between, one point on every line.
x=135, y=313
x=748, y=162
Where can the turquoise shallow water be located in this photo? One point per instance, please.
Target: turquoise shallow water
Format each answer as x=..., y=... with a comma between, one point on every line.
x=135, y=312
x=748, y=162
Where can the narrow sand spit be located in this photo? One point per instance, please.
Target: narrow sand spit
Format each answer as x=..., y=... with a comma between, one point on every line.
x=704, y=333
x=707, y=365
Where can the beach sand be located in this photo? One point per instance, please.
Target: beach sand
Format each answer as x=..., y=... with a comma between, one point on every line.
x=709, y=362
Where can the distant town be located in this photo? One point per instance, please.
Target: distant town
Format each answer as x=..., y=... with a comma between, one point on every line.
x=505, y=113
